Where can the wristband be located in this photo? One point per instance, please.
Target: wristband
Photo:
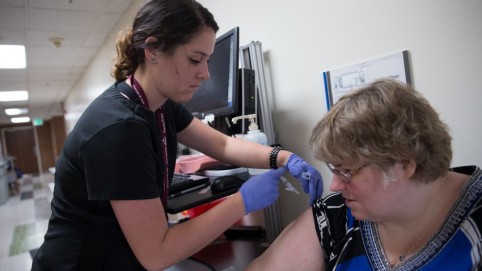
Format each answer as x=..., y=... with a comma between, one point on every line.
x=274, y=156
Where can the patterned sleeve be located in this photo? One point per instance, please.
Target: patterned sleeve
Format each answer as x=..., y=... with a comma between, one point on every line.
x=330, y=222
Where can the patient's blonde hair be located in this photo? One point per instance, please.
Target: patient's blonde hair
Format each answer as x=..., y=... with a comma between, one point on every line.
x=383, y=123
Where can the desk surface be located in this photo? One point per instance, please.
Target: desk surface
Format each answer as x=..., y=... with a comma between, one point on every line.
x=199, y=197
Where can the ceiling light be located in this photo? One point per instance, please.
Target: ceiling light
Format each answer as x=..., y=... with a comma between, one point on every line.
x=20, y=120
x=16, y=111
x=10, y=96
x=12, y=57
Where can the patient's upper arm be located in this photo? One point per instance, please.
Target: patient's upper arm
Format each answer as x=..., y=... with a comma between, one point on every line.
x=296, y=248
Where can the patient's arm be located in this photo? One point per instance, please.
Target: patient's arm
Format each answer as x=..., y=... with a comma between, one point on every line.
x=296, y=248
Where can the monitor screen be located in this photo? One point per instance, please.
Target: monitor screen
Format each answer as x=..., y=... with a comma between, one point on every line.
x=219, y=94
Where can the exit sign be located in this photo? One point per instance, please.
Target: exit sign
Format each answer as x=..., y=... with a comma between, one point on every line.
x=38, y=122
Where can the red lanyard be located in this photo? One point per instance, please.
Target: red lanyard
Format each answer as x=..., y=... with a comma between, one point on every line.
x=161, y=125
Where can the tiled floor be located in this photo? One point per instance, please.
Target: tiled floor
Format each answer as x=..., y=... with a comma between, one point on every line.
x=23, y=222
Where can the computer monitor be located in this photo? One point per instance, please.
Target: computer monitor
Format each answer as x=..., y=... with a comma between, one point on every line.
x=219, y=95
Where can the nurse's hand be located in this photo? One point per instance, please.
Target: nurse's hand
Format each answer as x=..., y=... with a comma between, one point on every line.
x=309, y=177
x=261, y=190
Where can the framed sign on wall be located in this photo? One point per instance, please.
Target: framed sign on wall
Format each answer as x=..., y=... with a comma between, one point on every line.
x=340, y=81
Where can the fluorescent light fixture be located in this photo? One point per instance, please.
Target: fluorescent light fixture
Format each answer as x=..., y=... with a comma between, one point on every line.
x=10, y=96
x=12, y=57
x=20, y=120
x=16, y=111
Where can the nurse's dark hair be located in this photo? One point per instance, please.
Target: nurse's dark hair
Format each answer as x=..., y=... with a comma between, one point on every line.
x=171, y=22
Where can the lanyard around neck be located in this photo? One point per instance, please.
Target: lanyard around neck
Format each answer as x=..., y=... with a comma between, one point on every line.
x=161, y=126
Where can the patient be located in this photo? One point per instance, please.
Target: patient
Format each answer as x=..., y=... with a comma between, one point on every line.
x=396, y=204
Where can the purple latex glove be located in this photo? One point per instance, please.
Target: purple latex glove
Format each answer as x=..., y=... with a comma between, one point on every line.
x=261, y=190
x=309, y=177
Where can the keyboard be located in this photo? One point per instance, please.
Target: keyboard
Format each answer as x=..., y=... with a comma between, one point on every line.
x=183, y=183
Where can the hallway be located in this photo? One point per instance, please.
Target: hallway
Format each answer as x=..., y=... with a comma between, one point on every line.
x=23, y=222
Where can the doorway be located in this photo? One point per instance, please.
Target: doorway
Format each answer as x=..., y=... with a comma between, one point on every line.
x=19, y=142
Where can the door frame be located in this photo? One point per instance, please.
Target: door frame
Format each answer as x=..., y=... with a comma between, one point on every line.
x=36, y=142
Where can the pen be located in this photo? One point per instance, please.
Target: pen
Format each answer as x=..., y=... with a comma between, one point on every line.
x=180, y=193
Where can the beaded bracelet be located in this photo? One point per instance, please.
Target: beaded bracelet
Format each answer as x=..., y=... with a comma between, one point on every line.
x=274, y=156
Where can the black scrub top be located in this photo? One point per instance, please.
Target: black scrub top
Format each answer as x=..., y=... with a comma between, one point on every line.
x=113, y=153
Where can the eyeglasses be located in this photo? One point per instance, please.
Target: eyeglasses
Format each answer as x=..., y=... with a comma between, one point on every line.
x=345, y=176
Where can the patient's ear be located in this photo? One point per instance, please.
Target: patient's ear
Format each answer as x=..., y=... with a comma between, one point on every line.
x=409, y=168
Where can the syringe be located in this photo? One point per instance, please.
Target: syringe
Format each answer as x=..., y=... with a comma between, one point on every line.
x=288, y=185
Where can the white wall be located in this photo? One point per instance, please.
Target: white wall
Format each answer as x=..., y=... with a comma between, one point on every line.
x=301, y=39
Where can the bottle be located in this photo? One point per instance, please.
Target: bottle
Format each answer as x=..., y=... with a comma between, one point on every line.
x=253, y=135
